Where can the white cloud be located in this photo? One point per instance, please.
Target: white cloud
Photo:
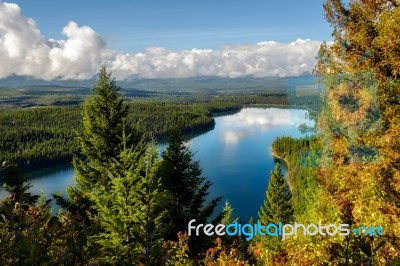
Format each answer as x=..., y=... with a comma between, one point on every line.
x=25, y=51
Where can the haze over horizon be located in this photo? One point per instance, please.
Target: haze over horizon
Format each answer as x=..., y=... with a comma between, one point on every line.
x=204, y=41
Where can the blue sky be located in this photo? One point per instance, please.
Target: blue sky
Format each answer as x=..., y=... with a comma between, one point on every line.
x=160, y=39
x=183, y=24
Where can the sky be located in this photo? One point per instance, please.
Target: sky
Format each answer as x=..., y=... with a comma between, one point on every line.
x=49, y=39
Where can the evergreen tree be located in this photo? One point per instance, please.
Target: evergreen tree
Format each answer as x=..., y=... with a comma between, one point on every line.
x=278, y=205
x=233, y=245
x=101, y=142
x=277, y=208
x=28, y=231
x=129, y=211
x=14, y=185
x=227, y=214
x=186, y=189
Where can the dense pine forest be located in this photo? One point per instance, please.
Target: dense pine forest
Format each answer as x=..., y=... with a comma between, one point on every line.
x=131, y=206
x=46, y=136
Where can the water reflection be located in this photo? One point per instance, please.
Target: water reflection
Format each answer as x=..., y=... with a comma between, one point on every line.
x=235, y=156
x=251, y=121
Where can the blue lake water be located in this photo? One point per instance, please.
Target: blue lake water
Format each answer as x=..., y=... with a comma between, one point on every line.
x=235, y=156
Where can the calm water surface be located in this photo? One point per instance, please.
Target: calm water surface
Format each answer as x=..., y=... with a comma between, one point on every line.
x=235, y=157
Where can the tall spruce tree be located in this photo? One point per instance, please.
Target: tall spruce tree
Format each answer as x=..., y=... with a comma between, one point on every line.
x=277, y=208
x=101, y=142
x=186, y=189
x=278, y=204
x=117, y=195
x=129, y=211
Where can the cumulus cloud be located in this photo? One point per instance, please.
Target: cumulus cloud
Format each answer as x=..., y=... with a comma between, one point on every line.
x=259, y=60
x=25, y=51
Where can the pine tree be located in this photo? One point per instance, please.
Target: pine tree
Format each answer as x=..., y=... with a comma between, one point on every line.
x=227, y=214
x=129, y=211
x=18, y=191
x=234, y=245
x=101, y=142
x=278, y=205
x=28, y=231
x=186, y=189
x=277, y=208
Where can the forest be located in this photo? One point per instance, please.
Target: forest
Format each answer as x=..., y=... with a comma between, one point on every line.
x=46, y=136
x=43, y=136
x=131, y=206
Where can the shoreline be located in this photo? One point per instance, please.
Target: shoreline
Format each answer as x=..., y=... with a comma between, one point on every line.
x=280, y=158
x=287, y=166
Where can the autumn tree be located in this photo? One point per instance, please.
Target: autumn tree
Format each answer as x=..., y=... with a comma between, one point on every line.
x=359, y=127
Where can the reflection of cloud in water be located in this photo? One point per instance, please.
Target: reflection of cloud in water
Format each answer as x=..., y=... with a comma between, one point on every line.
x=298, y=117
x=232, y=137
x=258, y=117
x=250, y=120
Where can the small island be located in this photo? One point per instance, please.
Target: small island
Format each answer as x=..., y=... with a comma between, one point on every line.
x=303, y=128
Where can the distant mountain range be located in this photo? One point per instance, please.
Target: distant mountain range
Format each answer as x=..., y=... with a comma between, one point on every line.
x=203, y=83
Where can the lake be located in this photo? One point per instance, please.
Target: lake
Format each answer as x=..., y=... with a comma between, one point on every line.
x=235, y=156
